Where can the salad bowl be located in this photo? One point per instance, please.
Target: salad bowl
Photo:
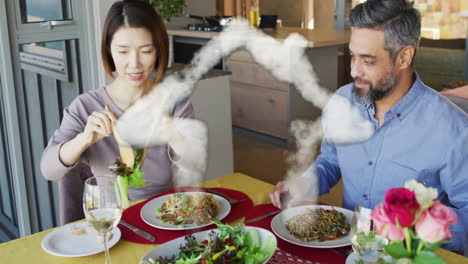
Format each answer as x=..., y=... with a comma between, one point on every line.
x=265, y=245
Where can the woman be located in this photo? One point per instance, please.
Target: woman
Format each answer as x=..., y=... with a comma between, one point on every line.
x=134, y=45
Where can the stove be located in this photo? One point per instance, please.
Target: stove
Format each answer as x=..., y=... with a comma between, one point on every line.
x=208, y=23
x=204, y=27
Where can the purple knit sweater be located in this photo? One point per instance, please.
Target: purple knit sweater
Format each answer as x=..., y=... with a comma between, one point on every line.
x=157, y=167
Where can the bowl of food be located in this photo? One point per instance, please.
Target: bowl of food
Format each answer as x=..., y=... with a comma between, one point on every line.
x=225, y=244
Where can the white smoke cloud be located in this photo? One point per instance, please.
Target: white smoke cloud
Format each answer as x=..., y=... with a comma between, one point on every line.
x=343, y=123
x=286, y=60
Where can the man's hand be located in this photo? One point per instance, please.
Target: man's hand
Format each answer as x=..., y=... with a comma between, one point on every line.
x=293, y=192
x=281, y=188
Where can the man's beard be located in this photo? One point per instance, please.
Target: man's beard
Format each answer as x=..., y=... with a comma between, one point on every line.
x=382, y=89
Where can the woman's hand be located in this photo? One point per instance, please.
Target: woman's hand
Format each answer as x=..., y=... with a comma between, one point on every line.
x=99, y=126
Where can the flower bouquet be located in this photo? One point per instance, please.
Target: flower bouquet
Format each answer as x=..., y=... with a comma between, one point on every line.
x=414, y=222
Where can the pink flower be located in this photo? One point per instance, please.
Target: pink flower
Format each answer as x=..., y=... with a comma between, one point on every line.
x=384, y=226
x=401, y=204
x=433, y=224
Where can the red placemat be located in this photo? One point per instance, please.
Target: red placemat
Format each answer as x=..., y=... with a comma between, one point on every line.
x=131, y=215
x=321, y=255
x=282, y=257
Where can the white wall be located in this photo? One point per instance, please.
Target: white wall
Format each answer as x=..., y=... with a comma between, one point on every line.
x=212, y=104
x=197, y=8
x=201, y=7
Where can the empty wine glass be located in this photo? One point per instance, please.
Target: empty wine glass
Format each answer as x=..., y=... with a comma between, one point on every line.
x=365, y=241
x=102, y=206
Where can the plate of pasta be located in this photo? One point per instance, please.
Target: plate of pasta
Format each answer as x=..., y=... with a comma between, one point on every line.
x=316, y=226
x=185, y=210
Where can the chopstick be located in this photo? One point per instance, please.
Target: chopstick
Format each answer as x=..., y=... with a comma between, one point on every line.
x=126, y=151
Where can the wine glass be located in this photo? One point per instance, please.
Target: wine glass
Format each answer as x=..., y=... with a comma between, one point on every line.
x=365, y=241
x=102, y=206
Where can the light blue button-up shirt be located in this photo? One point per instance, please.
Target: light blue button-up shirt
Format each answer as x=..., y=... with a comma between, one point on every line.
x=423, y=137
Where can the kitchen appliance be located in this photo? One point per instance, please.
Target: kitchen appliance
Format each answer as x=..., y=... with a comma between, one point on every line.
x=209, y=24
x=184, y=49
x=268, y=21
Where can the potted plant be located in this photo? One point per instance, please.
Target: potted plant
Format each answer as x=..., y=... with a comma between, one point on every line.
x=168, y=8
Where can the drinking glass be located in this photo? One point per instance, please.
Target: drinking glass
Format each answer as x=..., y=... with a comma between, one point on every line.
x=365, y=241
x=102, y=206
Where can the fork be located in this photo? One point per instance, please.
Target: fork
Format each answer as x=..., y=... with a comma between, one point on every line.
x=230, y=200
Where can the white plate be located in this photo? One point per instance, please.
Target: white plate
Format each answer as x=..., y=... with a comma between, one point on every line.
x=148, y=212
x=61, y=242
x=171, y=248
x=352, y=258
x=278, y=225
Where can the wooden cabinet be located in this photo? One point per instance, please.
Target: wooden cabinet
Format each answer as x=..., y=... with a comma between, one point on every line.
x=252, y=73
x=259, y=102
x=225, y=7
x=233, y=7
x=259, y=109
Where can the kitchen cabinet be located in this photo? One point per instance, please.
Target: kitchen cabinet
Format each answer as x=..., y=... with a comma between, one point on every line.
x=234, y=7
x=263, y=104
x=258, y=101
x=226, y=7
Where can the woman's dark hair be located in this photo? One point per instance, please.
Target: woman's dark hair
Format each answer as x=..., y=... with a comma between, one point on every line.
x=138, y=14
x=399, y=20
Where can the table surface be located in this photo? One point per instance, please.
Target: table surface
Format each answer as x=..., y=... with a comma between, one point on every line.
x=28, y=249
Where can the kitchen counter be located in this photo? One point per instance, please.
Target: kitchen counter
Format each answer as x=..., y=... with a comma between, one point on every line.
x=315, y=37
x=213, y=73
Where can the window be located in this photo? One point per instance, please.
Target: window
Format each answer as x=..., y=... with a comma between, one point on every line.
x=441, y=19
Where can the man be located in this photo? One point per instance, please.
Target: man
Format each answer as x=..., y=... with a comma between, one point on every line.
x=418, y=133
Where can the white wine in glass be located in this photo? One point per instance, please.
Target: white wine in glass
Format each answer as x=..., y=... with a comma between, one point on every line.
x=366, y=243
x=102, y=206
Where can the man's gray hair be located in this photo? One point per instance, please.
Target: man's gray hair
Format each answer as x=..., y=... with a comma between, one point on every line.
x=399, y=20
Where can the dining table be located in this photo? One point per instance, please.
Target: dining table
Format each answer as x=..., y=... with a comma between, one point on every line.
x=28, y=249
